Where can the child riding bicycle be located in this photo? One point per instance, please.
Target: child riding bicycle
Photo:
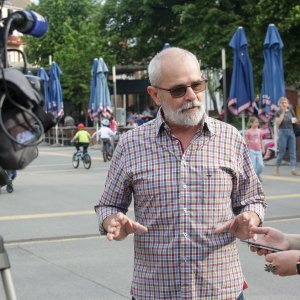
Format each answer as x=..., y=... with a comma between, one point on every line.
x=106, y=134
x=82, y=138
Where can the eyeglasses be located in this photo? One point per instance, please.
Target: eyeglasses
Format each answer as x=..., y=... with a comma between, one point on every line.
x=180, y=91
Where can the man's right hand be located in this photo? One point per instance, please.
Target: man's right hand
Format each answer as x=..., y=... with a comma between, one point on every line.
x=119, y=226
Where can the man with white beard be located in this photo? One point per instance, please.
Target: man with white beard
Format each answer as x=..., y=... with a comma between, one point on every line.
x=194, y=191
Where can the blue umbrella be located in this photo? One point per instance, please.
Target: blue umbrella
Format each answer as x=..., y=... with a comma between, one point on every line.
x=241, y=94
x=94, y=102
x=273, y=86
x=56, y=100
x=105, y=103
x=45, y=84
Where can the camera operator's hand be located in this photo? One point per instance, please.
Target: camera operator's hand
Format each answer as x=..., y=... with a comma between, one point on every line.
x=284, y=262
x=270, y=237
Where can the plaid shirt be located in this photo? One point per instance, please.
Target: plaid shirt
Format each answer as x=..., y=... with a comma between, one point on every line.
x=180, y=197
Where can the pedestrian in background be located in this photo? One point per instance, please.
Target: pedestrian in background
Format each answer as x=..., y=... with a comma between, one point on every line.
x=194, y=191
x=254, y=140
x=113, y=125
x=286, y=136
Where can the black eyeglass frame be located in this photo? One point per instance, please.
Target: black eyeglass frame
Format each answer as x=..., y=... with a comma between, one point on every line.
x=184, y=87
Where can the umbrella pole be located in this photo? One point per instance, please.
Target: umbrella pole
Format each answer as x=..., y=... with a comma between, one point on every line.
x=115, y=89
x=224, y=85
x=56, y=133
x=275, y=137
x=243, y=124
x=97, y=128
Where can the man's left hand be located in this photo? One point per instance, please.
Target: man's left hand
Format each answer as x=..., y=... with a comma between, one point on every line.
x=240, y=225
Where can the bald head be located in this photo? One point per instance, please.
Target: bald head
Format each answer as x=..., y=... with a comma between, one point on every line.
x=165, y=58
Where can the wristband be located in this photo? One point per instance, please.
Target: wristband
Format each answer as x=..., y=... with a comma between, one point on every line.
x=298, y=266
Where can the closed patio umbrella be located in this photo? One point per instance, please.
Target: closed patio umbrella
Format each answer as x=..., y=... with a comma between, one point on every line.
x=45, y=87
x=56, y=100
x=105, y=102
x=273, y=86
x=94, y=102
x=241, y=94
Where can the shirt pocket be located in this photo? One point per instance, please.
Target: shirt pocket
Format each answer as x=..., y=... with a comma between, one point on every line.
x=211, y=193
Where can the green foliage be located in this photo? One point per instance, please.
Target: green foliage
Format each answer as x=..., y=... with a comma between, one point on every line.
x=131, y=32
x=73, y=41
x=204, y=27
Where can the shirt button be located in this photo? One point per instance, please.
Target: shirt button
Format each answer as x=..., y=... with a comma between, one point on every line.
x=185, y=234
x=184, y=210
x=184, y=186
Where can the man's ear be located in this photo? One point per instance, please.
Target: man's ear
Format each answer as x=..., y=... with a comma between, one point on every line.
x=152, y=91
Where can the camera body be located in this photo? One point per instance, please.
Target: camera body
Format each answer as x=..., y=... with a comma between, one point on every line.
x=23, y=120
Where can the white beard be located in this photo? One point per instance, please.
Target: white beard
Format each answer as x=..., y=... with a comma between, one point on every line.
x=183, y=116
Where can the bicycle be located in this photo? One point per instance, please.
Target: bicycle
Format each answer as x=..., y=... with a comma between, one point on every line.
x=107, y=150
x=84, y=156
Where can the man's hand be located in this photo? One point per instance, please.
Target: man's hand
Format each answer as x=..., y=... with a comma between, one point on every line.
x=119, y=226
x=240, y=225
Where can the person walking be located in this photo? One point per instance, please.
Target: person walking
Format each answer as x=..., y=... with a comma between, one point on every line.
x=254, y=140
x=286, y=135
x=194, y=189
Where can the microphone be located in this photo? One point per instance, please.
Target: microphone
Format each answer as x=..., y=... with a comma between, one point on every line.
x=29, y=22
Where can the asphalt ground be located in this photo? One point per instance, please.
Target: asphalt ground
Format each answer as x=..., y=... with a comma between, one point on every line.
x=51, y=235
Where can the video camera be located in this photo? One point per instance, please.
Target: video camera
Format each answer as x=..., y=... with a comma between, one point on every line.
x=23, y=120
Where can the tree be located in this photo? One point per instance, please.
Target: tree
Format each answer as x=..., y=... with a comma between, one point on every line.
x=138, y=29
x=131, y=32
x=73, y=41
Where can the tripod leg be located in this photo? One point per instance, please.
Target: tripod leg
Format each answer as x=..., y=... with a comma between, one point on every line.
x=8, y=285
x=5, y=273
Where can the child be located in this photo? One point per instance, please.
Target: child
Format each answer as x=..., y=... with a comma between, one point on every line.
x=82, y=137
x=268, y=140
x=106, y=135
x=254, y=140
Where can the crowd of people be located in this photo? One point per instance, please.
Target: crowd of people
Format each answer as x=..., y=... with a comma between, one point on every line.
x=136, y=119
x=261, y=139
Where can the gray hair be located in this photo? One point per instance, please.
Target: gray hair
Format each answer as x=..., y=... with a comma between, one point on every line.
x=154, y=68
x=283, y=99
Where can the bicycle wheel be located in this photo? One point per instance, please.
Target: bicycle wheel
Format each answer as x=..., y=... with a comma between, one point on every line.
x=109, y=153
x=75, y=161
x=104, y=155
x=87, y=161
x=9, y=187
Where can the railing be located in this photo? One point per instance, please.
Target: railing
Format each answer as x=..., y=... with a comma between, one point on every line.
x=63, y=135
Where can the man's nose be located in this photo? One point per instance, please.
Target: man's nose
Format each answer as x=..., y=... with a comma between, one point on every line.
x=192, y=95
